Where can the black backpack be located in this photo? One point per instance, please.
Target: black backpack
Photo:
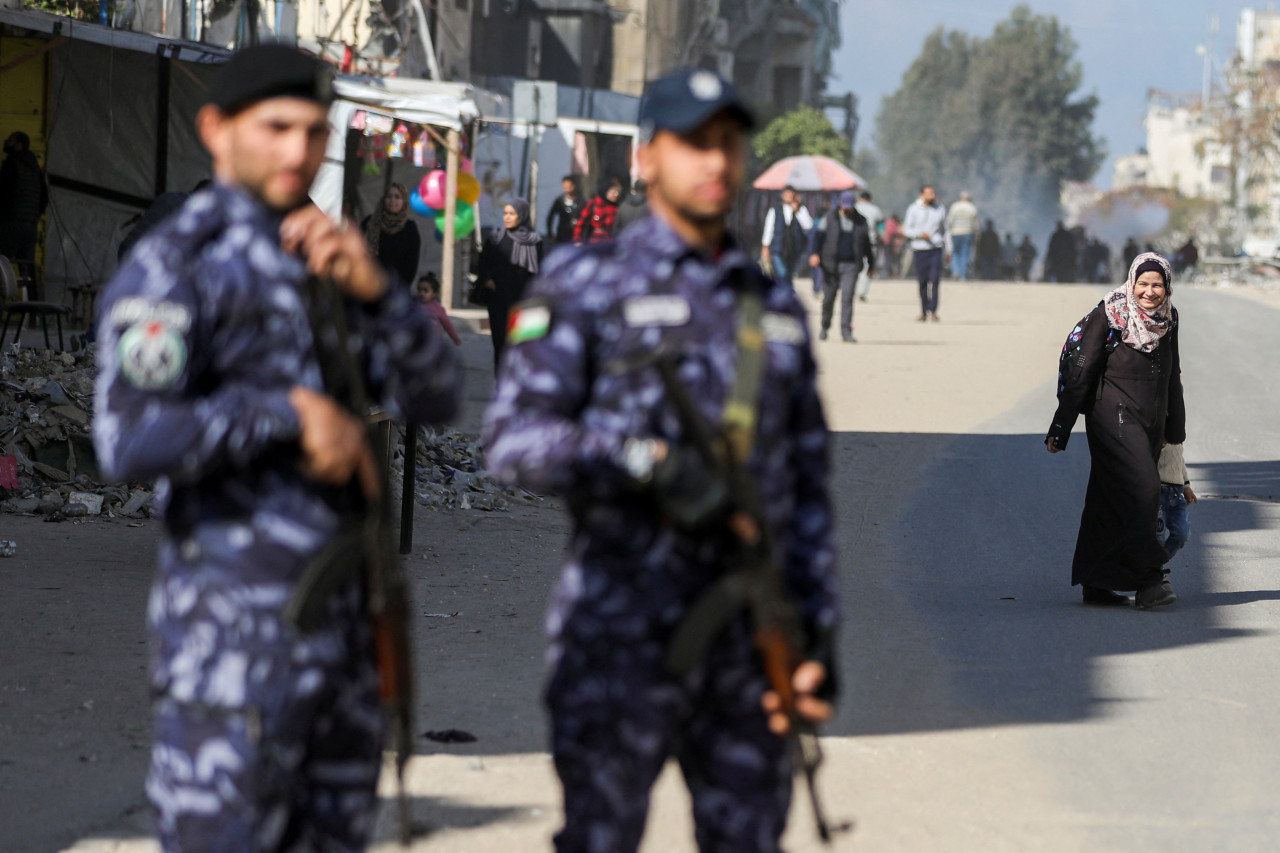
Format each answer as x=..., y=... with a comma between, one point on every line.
x=1071, y=361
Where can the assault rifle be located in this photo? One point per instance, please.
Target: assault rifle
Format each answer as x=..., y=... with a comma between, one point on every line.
x=756, y=586
x=363, y=547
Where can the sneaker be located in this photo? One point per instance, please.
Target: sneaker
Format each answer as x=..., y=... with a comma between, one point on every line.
x=922, y=318
x=1155, y=595
x=862, y=299
x=1101, y=597
x=935, y=317
x=849, y=338
x=822, y=336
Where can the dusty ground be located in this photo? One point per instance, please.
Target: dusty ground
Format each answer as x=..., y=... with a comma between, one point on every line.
x=73, y=714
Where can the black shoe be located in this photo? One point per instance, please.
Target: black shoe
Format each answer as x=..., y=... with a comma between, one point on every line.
x=862, y=299
x=1100, y=597
x=849, y=338
x=1155, y=595
x=822, y=336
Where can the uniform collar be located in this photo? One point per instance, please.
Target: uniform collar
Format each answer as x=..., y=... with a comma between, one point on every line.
x=242, y=207
x=654, y=238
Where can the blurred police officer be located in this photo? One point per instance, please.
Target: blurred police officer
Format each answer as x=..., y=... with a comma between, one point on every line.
x=580, y=409
x=266, y=738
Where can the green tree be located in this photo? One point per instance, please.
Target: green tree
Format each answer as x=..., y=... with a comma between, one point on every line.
x=804, y=130
x=997, y=116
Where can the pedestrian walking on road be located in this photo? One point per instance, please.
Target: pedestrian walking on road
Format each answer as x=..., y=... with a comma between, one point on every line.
x=621, y=368
x=962, y=225
x=393, y=237
x=987, y=253
x=1060, y=258
x=875, y=227
x=1176, y=495
x=565, y=212
x=1025, y=257
x=510, y=258
x=596, y=224
x=842, y=250
x=785, y=235
x=926, y=227
x=214, y=376
x=633, y=208
x=1120, y=369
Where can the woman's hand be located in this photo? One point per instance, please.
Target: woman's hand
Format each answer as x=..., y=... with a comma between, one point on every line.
x=1052, y=448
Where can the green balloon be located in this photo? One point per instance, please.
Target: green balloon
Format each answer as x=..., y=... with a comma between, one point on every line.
x=464, y=220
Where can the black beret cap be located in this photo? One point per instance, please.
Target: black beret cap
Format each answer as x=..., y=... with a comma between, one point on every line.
x=271, y=71
x=683, y=100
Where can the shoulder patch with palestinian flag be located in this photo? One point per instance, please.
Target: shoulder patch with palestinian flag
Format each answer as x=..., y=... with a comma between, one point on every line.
x=530, y=320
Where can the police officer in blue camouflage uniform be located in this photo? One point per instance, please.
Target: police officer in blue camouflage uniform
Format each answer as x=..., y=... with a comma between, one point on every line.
x=580, y=410
x=266, y=738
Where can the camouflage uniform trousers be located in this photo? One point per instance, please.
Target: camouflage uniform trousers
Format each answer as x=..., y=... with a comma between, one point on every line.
x=264, y=740
x=616, y=718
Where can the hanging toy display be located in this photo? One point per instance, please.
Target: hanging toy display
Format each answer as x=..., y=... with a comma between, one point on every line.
x=395, y=147
x=419, y=153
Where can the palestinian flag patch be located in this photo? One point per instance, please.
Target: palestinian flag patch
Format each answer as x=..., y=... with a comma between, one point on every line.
x=529, y=322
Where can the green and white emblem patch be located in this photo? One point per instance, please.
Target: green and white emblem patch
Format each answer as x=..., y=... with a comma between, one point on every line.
x=152, y=355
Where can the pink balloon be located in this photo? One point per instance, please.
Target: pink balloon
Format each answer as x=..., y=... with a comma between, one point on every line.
x=432, y=189
x=466, y=165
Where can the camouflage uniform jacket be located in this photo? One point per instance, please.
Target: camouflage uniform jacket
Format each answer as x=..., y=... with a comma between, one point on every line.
x=569, y=398
x=204, y=331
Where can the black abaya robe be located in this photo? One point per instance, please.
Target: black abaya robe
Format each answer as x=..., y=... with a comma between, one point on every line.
x=1132, y=403
x=509, y=280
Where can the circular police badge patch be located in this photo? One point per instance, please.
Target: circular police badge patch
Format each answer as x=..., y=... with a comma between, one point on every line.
x=152, y=355
x=705, y=86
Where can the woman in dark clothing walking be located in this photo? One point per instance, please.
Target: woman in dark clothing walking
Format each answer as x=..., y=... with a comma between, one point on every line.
x=1122, y=372
x=393, y=237
x=510, y=257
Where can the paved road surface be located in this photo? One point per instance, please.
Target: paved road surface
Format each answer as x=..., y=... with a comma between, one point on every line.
x=985, y=709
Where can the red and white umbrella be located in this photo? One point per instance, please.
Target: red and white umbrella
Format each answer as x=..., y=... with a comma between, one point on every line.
x=809, y=173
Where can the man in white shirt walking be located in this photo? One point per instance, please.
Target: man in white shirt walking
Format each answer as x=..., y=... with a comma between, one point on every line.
x=926, y=226
x=875, y=223
x=786, y=235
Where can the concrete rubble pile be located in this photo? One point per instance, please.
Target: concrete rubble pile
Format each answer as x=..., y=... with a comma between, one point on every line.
x=46, y=407
x=450, y=473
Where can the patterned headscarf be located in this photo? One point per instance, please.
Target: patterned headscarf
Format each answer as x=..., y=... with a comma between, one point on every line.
x=1138, y=329
x=384, y=221
x=524, y=239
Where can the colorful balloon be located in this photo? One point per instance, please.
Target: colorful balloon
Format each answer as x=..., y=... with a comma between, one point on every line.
x=468, y=188
x=466, y=166
x=464, y=221
x=420, y=207
x=432, y=189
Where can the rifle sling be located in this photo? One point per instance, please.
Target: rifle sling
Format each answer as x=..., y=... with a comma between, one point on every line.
x=733, y=592
x=742, y=407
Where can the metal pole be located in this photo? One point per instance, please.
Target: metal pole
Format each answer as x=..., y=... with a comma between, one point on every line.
x=408, y=490
x=453, y=143
x=536, y=129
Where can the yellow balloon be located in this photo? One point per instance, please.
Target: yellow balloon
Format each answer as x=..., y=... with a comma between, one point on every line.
x=468, y=188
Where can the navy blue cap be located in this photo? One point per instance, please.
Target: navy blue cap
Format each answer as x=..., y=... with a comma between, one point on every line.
x=271, y=71
x=684, y=99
